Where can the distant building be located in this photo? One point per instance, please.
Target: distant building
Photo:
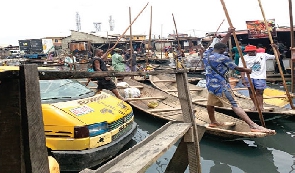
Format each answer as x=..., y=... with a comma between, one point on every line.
x=57, y=41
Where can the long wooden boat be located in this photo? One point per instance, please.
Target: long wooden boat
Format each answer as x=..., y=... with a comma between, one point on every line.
x=169, y=109
x=199, y=97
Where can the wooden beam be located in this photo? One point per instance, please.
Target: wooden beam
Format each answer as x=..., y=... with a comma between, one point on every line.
x=163, y=110
x=144, y=98
x=142, y=155
x=175, y=90
x=199, y=100
x=237, y=89
x=34, y=143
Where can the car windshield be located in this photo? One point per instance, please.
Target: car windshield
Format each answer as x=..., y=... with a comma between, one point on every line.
x=64, y=89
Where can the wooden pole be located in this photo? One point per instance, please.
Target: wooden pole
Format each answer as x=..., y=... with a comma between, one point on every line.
x=275, y=50
x=109, y=50
x=161, y=41
x=178, y=44
x=244, y=64
x=292, y=45
x=219, y=27
x=150, y=37
x=131, y=47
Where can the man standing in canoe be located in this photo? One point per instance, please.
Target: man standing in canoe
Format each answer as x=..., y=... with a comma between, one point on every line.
x=217, y=65
x=256, y=62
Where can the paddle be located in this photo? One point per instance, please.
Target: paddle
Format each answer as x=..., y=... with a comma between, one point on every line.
x=244, y=63
x=275, y=50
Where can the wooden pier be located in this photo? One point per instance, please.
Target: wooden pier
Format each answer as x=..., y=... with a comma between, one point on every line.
x=26, y=140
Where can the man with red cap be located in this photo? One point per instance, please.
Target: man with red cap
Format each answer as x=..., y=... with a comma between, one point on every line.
x=256, y=62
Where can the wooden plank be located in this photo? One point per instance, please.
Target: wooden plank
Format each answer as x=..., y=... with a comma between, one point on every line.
x=51, y=75
x=237, y=89
x=191, y=79
x=179, y=161
x=163, y=110
x=199, y=100
x=144, y=98
x=34, y=143
x=119, y=87
x=266, y=109
x=141, y=156
x=277, y=79
x=175, y=90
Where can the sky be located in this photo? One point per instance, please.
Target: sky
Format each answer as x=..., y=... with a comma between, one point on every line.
x=29, y=19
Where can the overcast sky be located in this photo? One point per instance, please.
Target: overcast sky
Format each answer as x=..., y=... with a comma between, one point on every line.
x=27, y=19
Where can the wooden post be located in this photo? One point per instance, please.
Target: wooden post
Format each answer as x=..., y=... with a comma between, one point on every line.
x=275, y=50
x=130, y=41
x=292, y=46
x=22, y=139
x=244, y=64
x=193, y=148
x=150, y=37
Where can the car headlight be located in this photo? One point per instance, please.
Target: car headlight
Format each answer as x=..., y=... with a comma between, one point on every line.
x=97, y=129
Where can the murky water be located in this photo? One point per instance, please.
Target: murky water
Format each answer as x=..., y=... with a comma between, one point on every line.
x=274, y=154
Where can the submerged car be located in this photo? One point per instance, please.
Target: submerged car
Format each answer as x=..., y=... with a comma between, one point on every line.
x=82, y=128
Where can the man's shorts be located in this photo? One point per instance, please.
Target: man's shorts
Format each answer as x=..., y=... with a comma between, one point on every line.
x=227, y=99
x=105, y=84
x=259, y=84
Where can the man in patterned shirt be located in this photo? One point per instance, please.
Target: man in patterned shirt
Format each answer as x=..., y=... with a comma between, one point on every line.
x=217, y=65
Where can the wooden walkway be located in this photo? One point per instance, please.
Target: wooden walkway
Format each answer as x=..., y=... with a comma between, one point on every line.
x=140, y=157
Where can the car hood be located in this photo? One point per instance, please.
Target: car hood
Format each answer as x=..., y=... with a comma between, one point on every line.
x=98, y=108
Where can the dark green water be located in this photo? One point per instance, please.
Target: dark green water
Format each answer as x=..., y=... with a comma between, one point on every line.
x=274, y=154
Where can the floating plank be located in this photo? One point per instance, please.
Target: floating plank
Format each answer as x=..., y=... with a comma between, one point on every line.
x=175, y=90
x=141, y=156
x=144, y=98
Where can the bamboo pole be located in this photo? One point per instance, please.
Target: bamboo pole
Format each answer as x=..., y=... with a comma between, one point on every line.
x=131, y=47
x=244, y=64
x=178, y=44
x=109, y=50
x=292, y=45
x=219, y=27
x=150, y=37
x=276, y=55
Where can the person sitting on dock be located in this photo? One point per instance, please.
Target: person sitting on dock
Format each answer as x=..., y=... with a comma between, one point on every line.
x=216, y=66
x=98, y=64
x=257, y=63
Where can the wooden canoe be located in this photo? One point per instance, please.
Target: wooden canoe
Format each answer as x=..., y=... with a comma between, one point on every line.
x=271, y=112
x=169, y=109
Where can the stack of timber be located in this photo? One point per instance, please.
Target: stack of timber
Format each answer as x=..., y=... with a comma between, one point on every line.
x=169, y=109
x=199, y=97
